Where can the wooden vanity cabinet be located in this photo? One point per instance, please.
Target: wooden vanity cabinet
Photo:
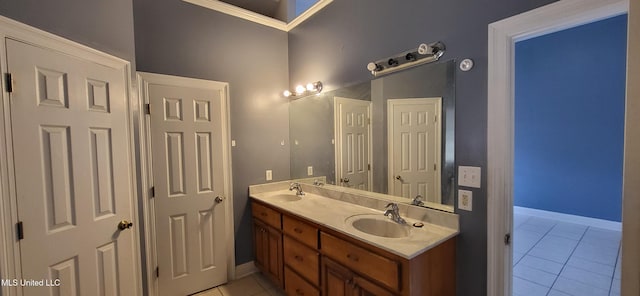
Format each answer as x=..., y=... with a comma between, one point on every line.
x=314, y=260
x=339, y=280
x=267, y=242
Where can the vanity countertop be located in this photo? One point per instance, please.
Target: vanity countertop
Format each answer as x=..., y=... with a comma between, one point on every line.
x=332, y=213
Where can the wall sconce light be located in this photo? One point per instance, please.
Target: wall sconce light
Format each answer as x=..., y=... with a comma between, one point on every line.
x=425, y=53
x=300, y=90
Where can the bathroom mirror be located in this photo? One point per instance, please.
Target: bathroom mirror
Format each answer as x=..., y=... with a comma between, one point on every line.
x=280, y=14
x=391, y=135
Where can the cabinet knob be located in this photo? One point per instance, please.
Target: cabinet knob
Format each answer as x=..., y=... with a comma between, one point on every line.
x=353, y=257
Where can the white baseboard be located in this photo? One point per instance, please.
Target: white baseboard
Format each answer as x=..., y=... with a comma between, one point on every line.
x=245, y=269
x=599, y=223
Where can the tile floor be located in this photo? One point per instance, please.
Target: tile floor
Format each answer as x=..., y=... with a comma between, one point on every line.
x=555, y=258
x=252, y=285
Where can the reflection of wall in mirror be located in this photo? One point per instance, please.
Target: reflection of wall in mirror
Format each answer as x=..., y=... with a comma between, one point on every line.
x=312, y=130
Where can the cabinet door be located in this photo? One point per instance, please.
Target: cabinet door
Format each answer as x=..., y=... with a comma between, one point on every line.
x=260, y=245
x=268, y=251
x=367, y=288
x=275, y=265
x=336, y=279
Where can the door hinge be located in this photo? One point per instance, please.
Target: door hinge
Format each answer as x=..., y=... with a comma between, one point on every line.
x=152, y=191
x=435, y=119
x=368, y=120
x=9, y=82
x=435, y=168
x=147, y=109
x=369, y=167
x=507, y=239
x=20, y=230
x=157, y=271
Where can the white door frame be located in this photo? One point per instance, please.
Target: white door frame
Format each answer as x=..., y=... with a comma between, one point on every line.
x=144, y=79
x=500, y=132
x=9, y=246
x=338, y=141
x=390, y=175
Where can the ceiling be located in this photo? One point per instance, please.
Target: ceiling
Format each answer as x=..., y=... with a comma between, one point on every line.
x=264, y=7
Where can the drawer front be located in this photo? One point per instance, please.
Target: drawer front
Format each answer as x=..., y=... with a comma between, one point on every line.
x=382, y=269
x=297, y=286
x=302, y=259
x=269, y=216
x=301, y=231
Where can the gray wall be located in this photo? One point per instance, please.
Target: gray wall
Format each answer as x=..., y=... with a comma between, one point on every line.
x=335, y=46
x=102, y=25
x=177, y=38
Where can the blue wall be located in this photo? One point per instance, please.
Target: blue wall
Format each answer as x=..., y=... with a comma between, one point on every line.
x=570, y=102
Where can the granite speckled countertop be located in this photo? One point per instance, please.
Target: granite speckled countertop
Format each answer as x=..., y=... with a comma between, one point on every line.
x=337, y=214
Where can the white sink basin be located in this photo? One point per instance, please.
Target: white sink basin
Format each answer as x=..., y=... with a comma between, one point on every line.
x=284, y=197
x=378, y=225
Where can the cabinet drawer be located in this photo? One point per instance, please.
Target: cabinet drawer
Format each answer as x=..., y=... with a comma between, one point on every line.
x=301, y=231
x=297, y=286
x=302, y=259
x=269, y=216
x=382, y=269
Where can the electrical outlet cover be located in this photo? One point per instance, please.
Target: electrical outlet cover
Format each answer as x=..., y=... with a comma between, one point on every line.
x=465, y=200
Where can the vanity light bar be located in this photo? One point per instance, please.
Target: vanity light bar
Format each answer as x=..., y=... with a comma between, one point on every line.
x=425, y=53
x=300, y=90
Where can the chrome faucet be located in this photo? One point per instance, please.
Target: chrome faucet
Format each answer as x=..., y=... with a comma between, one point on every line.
x=392, y=209
x=417, y=201
x=318, y=182
x=297, y=187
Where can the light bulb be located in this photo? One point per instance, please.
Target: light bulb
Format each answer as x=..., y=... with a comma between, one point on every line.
x=300, y=89
x=286, y=93
x=311, y=87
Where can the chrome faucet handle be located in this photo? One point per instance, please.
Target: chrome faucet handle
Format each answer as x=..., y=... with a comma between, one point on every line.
x=393, y=205
x=417, y=201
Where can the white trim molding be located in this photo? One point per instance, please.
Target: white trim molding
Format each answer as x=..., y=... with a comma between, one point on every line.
x=630, y=284
x=245, y=269
x=500, y=131
x=259, y=18
x=144, y=79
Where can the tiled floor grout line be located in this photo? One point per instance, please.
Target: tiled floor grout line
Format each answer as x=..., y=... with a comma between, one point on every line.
x=613, y=276
x=589, y=237
x=567, y=261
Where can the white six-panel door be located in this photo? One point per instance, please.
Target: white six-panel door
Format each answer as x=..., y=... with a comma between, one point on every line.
x=72, y=172
x=414, y=136
x=187, y=152
x=353, y=142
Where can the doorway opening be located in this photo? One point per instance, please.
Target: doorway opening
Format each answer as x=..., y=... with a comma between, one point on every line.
x=568, y=157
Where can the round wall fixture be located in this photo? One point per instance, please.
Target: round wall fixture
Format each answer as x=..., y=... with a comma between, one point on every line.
x=466, y=65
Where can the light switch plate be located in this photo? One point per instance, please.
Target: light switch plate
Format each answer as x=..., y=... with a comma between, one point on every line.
x=233, y=143
x=309, y=171
x=469, y=176
x=465, y=200
x=269, y=175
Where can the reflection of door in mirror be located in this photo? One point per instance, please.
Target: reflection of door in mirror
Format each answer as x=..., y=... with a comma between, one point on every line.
x=414, y=139
x=353, y=143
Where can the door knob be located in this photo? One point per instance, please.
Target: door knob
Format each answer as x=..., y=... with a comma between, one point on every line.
x=344, y=180
x=124, y=224
x=399, y=178
x=219, y=199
